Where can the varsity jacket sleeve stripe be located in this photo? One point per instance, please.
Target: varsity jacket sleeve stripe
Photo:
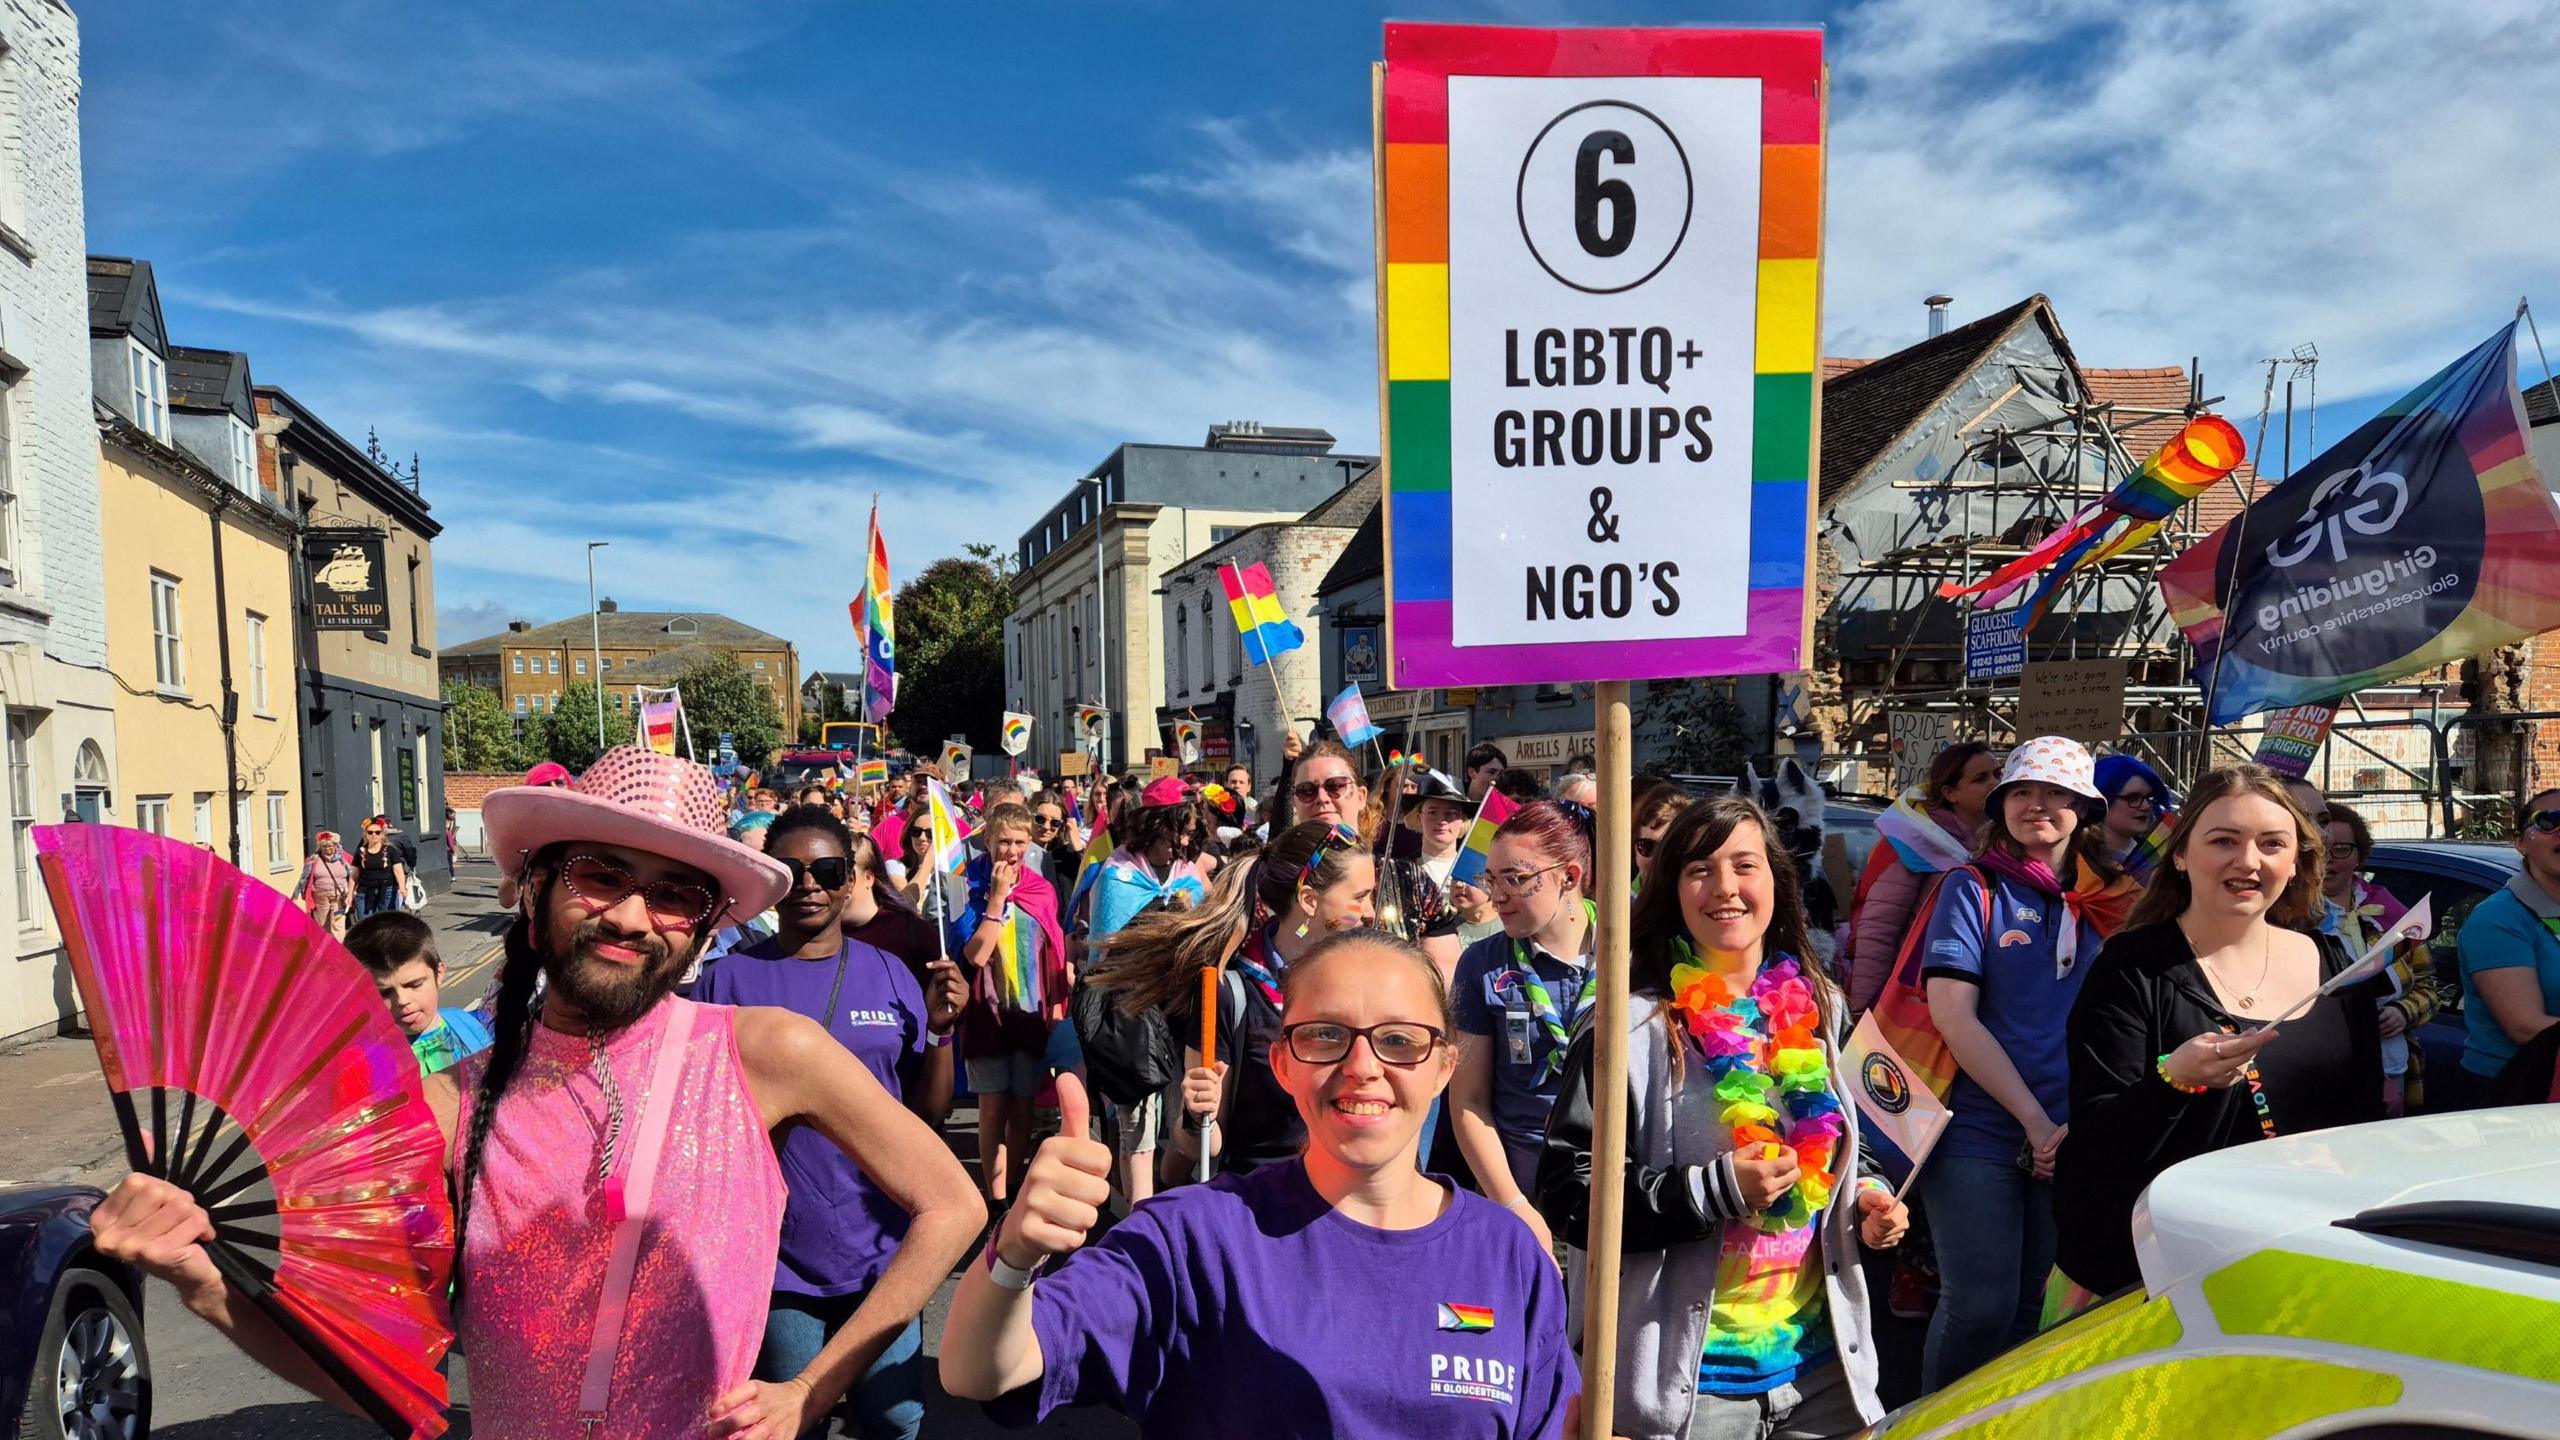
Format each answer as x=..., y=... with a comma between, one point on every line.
x=1663, y=1208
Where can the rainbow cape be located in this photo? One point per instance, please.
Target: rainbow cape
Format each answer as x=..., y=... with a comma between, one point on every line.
x=1017, y=970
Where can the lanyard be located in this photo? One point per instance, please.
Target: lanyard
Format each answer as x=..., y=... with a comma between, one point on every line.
x=1265, y=978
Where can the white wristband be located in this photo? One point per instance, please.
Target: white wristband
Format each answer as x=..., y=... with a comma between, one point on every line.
x=1007, y=1276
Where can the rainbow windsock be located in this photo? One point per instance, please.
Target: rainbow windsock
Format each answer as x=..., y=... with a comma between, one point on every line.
x=1255, y=603
x=2204, y=450
x=1017, y=975
x=1478, y=851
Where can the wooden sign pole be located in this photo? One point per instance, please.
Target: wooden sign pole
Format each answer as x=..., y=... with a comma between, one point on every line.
x=1616, y=736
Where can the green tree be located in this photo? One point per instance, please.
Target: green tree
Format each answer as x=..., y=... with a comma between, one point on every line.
x=1697, y=725
x=568, y=729
x=951, y=649
x=478, y=735
x=719, y=695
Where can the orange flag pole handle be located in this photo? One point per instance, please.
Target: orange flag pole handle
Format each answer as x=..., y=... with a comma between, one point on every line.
x=1208, y=1053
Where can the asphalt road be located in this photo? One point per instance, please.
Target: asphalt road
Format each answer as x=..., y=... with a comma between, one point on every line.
x=204, y=1389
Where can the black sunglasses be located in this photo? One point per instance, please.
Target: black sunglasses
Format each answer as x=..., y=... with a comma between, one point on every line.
x=2541, y=822
x=830, y=871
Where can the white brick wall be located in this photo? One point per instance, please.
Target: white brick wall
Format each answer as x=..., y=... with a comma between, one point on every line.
x=44, y=305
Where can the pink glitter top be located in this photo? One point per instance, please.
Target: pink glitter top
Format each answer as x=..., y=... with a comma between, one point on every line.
x=537, y=1244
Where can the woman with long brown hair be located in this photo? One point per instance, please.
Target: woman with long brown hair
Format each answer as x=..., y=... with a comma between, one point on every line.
x=1742, y=1308
x=2171, y=1053
x=1314, y=879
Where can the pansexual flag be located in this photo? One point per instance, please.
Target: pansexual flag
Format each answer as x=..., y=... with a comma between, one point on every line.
x=658, y=726
x=1255, y=604
x=1349, y=713
x=1473, y=856
x=1899, y=1117
x=950, y=827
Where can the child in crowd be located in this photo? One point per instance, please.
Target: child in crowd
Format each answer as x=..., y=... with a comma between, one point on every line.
x=400, y=951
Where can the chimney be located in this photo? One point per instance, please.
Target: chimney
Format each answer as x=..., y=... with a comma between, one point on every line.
x=518, y=627
x=606, y=606
x=1938, y=314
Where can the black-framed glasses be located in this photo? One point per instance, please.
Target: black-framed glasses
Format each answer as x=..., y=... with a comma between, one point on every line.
x=1524, y=882
x=2540, y=822
x=2138, y=799
x=1400, y=1043
x=830, y=871
x=2344, y=850
x=1305, y=791
x=599, y=884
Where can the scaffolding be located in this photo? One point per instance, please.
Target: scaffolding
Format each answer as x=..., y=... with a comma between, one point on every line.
x=2016, y=484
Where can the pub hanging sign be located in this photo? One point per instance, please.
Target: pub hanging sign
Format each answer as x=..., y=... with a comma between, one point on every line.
x=348, y=588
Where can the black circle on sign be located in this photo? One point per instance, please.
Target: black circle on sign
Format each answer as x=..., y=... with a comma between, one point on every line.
x=1520, y=198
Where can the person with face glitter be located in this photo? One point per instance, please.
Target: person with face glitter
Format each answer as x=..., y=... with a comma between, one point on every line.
x=618, y=1204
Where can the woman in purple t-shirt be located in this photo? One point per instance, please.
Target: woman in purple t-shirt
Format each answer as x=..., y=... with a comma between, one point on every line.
x=838, y=1229
x=1220, y=1309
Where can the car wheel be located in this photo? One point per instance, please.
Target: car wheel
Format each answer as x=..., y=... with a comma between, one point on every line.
x=92, y=1376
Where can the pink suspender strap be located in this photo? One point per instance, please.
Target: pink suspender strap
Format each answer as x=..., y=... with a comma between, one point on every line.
x=627, y=1192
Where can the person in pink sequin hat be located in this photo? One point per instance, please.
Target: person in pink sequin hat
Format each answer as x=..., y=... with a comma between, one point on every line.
x=618, y=1203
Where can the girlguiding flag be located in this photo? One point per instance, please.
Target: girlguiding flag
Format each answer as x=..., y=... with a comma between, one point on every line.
x=2423, y=538
x=1899, y=1115
x=1255, y=603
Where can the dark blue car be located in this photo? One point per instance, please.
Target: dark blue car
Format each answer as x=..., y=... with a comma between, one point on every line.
x=73, y=1365
x=2455, y=875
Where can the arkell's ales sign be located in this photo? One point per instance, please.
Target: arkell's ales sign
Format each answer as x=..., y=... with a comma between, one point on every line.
x=348, y=588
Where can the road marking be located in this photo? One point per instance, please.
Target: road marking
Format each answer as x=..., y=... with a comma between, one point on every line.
x=478, y=963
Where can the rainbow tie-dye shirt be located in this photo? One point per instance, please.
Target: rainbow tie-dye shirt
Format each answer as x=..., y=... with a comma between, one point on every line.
x=1766, y=1323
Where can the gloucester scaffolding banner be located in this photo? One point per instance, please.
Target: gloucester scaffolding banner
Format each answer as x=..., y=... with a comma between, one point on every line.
x=1599, y=309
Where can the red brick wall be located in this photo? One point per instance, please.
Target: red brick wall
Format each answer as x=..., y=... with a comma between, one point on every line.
x=465, y=791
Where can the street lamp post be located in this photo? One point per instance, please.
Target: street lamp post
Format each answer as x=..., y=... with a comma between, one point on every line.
x=595, y=639
x=1101, y=622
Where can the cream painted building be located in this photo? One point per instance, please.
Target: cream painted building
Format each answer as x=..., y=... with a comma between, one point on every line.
x=1087, y=622
x=57, y=702
x=199, y=580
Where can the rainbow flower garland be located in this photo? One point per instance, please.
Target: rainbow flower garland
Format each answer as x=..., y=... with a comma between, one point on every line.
x=1764, y=1052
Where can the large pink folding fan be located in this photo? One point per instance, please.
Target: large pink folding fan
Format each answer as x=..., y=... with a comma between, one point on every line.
x=254, y=1066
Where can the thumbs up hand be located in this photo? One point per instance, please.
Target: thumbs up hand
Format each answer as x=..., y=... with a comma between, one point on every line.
x=1063, y=1194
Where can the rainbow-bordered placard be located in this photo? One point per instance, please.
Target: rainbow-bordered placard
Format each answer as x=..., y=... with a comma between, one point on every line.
x=1412, y=174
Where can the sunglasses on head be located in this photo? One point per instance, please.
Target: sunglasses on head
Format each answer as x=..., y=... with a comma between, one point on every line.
x=830, y=871
x=1340, y=837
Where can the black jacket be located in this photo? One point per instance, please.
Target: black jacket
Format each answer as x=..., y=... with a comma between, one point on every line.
x=2145, y=996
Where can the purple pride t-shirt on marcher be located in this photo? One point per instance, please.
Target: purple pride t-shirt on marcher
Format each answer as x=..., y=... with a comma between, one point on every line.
x=1249, y=1307
x=838, y=1230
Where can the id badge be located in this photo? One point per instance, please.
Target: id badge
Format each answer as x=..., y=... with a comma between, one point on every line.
x=1519, y=1034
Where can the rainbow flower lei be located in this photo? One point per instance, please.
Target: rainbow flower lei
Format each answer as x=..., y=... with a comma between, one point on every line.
x=1771, y=1075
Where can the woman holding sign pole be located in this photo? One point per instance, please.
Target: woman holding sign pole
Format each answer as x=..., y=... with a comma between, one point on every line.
x=2171, y=1052
x=1742, y=1309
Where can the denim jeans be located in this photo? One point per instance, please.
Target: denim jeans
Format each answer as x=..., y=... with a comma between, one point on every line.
x=1816, y=1405
x=370, y=903
x=887, y=1403
x=1994, y=1228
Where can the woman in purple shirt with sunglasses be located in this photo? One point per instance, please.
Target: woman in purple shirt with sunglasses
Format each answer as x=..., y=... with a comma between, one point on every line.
x=838, y=1229
x=1342, y=1293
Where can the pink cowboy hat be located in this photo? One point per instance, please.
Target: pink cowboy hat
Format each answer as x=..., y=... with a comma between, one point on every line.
x=634, y=798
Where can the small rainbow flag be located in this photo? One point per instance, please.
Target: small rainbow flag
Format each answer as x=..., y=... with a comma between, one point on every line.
x=658, y=726
x=1466, y=1319
x=871, y=772
x=1018, y=977
x=1255, y=603
x=1478, y=851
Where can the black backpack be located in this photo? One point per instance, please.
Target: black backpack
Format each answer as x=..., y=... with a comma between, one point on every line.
x=1126, y=1057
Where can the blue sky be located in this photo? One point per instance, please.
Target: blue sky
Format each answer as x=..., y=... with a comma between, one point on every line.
x=699, y=279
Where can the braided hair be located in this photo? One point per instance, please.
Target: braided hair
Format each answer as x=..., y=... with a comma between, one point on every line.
x=513, y=1039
